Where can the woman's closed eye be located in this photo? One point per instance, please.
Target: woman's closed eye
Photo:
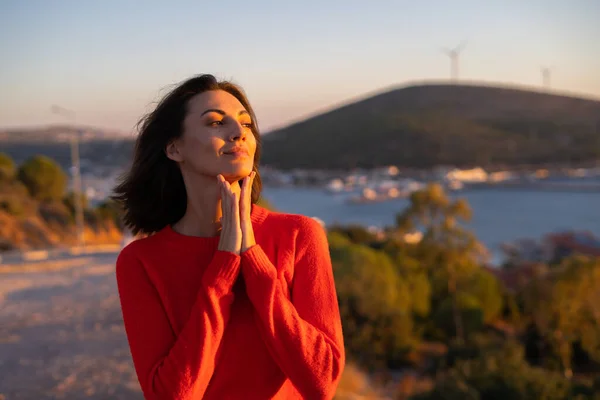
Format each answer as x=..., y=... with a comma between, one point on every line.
x=220, y=123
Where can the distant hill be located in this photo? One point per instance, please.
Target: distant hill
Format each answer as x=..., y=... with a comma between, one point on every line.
x=426, y=125
x=96, y=147
x=415, y=126
x=56, y=133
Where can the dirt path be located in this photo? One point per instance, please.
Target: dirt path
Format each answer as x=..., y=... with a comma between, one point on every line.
x=62, y=336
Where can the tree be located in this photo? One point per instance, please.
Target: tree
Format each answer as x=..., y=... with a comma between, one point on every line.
x=7, y=167
x=471, y=314
x=564, y=308
x=370, y=275
x=499, y=373
x=419, y=287
x=374, y=302
x=484, y=287
x=43, y=177
x=589, y=290
x=110, y=210
x=69, y=201
x=356, y=233
x=446, y=247
x=415, y=275
x=337, y=241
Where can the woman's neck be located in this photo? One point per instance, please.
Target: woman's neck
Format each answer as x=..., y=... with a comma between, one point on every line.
x=203, y=212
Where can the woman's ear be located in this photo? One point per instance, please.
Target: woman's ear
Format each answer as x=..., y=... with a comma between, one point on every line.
x=172, y=151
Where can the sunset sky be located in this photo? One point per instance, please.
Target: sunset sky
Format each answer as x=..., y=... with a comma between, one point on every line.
x=109, y=60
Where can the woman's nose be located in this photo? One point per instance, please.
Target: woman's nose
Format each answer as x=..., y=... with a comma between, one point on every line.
x=237, y=132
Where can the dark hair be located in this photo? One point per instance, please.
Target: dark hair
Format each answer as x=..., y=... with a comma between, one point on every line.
x=152, y=193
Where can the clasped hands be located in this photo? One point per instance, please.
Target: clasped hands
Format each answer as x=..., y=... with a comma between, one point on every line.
x=237, y=234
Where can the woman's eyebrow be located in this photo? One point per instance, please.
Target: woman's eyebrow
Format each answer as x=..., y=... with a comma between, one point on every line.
x=216, y=110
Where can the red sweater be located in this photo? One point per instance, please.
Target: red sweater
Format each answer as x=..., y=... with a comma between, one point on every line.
x=205, y=323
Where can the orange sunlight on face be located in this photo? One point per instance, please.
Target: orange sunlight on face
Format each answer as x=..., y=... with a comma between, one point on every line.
x=217, y=137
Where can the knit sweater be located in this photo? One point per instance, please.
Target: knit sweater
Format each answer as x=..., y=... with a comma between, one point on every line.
x=210, y=324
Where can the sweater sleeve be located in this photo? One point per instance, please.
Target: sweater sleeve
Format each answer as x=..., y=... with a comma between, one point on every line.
x=169, y=366
x=303, y=335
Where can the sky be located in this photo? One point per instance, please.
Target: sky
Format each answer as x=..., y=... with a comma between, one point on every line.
x=110, y=61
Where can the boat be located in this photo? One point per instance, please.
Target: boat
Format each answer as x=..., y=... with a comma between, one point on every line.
x=386, y=191
x=335, y=186
x=455, y=185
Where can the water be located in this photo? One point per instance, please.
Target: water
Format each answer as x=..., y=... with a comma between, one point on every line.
x=499, y=215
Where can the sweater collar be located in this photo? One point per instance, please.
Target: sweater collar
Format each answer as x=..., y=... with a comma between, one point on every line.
x=257, y=215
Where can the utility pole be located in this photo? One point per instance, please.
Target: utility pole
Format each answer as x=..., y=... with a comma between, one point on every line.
x=77, y=188
x=75, y=173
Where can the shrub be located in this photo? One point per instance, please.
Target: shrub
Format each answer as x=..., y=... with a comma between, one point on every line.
x=13, y=206
x=44, y=178
x=498, y=374
x=56, y=213
x=7, y=167
x=91, y=218
x=355, y=233
x=470, y=312
x=69, y=201
x=110, y=210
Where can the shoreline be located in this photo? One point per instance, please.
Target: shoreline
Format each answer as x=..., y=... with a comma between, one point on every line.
x=33, y=256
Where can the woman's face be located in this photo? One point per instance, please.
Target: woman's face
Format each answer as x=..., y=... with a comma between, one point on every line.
x=217, y=137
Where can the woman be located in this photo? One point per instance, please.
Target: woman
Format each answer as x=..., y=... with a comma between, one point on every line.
x=222, y=299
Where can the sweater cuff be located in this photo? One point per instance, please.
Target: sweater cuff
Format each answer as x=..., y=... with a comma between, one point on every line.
x=222, y=271
x=256, y=264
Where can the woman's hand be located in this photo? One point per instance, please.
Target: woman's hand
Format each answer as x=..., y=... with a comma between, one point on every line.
x=231, y=233
x=245, y=208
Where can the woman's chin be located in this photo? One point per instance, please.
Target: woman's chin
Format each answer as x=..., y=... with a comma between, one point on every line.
x=236, y=172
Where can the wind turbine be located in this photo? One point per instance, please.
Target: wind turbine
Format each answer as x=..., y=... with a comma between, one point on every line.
x=546, y=72
x=454, y=54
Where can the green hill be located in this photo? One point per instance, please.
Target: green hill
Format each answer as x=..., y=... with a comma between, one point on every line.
x=426, y=125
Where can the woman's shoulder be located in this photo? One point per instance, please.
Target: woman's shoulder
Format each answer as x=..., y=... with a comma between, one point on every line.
x=294, y=221
x=302, y=228
x=137, y=247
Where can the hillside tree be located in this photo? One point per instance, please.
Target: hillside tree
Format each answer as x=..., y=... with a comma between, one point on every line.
x=43, y=177
x=7, y=167
x=449, y=251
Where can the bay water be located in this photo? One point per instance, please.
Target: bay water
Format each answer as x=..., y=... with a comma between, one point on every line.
x=499, y=215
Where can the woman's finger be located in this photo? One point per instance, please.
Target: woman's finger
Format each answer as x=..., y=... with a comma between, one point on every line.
x=250, y=185
x=244, y=191
x=224, y=202
x=236, y=210
x=247, y=194
x=232, y=199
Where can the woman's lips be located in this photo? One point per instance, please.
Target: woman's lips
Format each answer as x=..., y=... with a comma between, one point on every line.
x=238, y=154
